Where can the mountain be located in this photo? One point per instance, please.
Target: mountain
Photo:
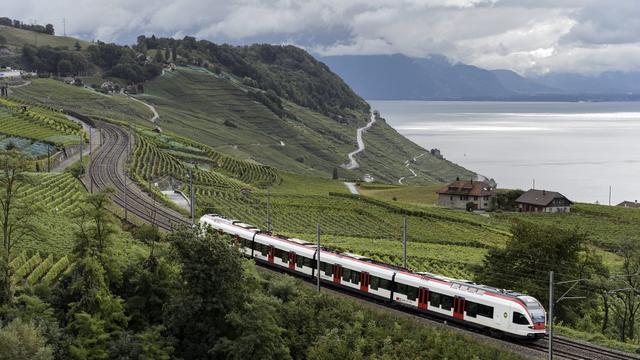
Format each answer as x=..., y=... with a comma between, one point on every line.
x=398, y=77
x=521, y=85
x=274, y=105
x=608, y=82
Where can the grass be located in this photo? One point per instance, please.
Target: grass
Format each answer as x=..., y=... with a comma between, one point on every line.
x=85, y=101
x=419, y=195
x=16, y=38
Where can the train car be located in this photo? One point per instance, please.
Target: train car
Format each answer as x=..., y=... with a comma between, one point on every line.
x=475, y=305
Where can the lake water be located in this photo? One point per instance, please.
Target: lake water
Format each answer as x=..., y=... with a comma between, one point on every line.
x=578, y=149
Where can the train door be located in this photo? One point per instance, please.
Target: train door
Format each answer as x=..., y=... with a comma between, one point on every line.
x=337, y=273
x=423, y=298
x=458, y=308
x=292, y=260
x=270, y=251
x=365, y=279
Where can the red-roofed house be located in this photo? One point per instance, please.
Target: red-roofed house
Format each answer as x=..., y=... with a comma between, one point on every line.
x=461, y=192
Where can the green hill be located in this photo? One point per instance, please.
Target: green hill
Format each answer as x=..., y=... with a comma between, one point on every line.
x=274, y=105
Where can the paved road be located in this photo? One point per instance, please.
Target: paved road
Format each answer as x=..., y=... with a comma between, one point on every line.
x=107, y=170
x=353, y=164
x=352, y=188
x=407, y=164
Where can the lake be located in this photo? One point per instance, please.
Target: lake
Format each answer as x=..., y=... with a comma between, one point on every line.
x=578, y=149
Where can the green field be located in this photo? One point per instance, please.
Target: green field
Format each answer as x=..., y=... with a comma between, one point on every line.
x=85, y=101
x=16, y=38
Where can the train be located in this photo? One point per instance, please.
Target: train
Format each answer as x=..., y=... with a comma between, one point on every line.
x=484, y=308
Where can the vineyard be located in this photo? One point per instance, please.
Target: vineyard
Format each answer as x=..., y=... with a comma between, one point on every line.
x=33, y=269
x=190, y=151
x=22, y=119
x=449, y=247
x=54, y=192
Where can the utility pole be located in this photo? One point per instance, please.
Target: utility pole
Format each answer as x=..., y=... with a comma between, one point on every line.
x=192, y=207
x=64, y=27
x=318, y=254
x=609, y=195
x=534, y=184
x=269, y=211
x=48, y=159
x=550, y=315
x=91, y=159
x=404, y=241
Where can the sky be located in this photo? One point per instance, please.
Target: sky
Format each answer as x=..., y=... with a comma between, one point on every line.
x=530, y=37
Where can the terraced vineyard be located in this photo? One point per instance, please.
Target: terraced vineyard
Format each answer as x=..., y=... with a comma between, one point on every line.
x=54, y=192
x=33, y=269
x=450, y=246
x=190, y=151
x=27, y=120
x=150, y=162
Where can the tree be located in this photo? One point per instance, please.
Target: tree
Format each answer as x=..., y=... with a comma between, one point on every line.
x=167, y=54
x=159, y=57
x=96, y=225
x=334, y=176
x=64, y=67
x=77, y=46
x=533, y=251
x=623, y=295
x=48, y=29
x=23, y=340
x=507, y=199
x=3, y=40
x=211, y=286
x=15, y=214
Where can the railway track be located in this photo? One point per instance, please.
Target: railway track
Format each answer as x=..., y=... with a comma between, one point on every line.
x=107, y=170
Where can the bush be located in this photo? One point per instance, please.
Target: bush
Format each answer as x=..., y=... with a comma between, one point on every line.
x=471, y=206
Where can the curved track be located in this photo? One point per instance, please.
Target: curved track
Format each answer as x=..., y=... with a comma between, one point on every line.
x=107, y=170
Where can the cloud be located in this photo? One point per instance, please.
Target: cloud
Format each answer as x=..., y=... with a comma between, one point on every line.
x=526, y=36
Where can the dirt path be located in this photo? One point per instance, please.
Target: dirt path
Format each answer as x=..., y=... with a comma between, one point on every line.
x=353, y=164
x=407, y=164
x=352, y=188
x=156, y=116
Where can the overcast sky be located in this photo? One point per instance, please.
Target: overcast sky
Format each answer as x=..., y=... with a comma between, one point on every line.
x=534, y=36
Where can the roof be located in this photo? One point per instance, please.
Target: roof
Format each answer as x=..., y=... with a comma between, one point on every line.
x=540, y=197
x=630, y=204
x=468, y=187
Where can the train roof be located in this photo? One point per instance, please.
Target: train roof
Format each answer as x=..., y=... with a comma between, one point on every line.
x=383, y=267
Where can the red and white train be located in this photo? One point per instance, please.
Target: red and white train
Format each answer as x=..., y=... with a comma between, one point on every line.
x=461, y=301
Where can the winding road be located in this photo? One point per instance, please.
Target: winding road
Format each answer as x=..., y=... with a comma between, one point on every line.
x=353, y=164
x=156, y=116
x=407, y=164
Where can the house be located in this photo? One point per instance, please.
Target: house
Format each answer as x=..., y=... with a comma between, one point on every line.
x=10, y=74
x=462, y=192
x=630, y=204
x=543, y=201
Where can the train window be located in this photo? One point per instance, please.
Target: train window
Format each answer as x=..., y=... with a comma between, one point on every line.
x=327, y=268
x=401, y=288
x=486, y=311
x=309, y=263
x=263, y=249
x=412, y=293
x=375, y=282
x=300, y=261
x=284, y=256
x=346, y=274
x=520, y=319
x=471, y=308
x=385, y=284
x=355, y=277
x=446, y=302
x=434, y=298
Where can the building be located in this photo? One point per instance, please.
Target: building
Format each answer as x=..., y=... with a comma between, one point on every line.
x=462, y=192
x=543, y=201
x=630, y=204
x=9, y=74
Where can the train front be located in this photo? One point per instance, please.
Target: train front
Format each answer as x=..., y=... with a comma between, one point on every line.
x=537, y=314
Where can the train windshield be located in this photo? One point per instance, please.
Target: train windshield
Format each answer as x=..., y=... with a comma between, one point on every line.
x=535, y=309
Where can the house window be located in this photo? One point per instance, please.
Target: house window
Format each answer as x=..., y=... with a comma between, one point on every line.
x=464, y=197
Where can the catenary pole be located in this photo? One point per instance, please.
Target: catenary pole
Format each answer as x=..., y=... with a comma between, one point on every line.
x=90, y=159
x=318, y=254
x=269, y=211
x=550, y=315
x=191, y=196
x=404, y=241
